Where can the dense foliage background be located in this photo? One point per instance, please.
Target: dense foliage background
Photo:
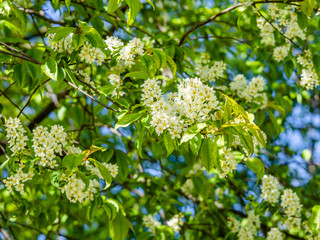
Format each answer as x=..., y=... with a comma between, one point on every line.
x=159, y=119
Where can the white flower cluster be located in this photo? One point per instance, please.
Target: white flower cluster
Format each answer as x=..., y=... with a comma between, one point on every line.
x=194, y=102
x=210, y=71
x=64, y=45
x=75, y=189
x=176, y=222
x=112, y=168
x=15, y=135
x=274, y=234
x=47, y=144
x=228, y=162
x=284, y=19
x=279, y=53
x=113, y=43
x=270, y=189
x=150, y=222
x=91, y=54
x=129, y=52
x=251, y=92
x=292, y=208
x=233, y=224
x=309, y=77
x=17, y=180
x=249, y=231
x=87, y=53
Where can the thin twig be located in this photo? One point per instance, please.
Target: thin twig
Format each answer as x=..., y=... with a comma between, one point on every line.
x=185, y=35
x=41, y=15
x=89, y=96
x=31, y=59
x=97, y=92
x=34, y=91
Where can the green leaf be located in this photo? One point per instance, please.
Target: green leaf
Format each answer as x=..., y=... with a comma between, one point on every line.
x=94, y=38
x=110, y=210
x=274, y=122
x=195, y=144
x=168, y=143
x=192, y=131
x=122, y=162
x=19, y=73
x=149, y=64
x=107, y=155
x=118, y=228
x=137, y=75
x=160, y=58
x=71, y=77
x=314, y=220
x=126, y=120
x=60, y=32
x=92, y=209
x=172, y=65
x=72, y=161
x=307, y=7
x=209, y=154
x=77, y=41
x=134, y=6
x=103, y=171
x=1, y=108
x=316, y=64
x=257, y=166
x=107, y=89
x=288, y=68
x=113, y=5
x=50, y=68
x=68, y=2
x=55, y=178
x=302, y=20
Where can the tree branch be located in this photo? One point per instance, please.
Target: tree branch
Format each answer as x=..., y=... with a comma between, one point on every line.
x=89, y=96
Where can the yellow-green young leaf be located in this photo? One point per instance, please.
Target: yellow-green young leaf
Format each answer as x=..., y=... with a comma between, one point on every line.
x=257, y=166
x=168, y=143
x=151, y=3
x=50, y=68
x=134, y=6
x=195, y=144
x=126, y=120
x=209, y=154
x=118, y=228
x=113, y=5
x=237, y=108
x=94, y=38
x=314, y=220
x=192, y=131
x=70, y=75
